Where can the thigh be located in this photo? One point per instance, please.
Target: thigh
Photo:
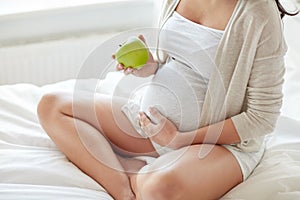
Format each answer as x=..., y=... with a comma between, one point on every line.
x=209, y=177
x=104, y=113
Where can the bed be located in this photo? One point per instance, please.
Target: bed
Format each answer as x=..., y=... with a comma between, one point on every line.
x=31, y=166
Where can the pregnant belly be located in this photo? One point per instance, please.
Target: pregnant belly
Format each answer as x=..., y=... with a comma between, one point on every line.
x=178, y=93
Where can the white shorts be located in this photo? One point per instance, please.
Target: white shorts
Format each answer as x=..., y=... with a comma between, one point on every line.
x=247, y=160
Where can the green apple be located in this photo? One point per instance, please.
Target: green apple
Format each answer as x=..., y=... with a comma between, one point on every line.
x=133, y=53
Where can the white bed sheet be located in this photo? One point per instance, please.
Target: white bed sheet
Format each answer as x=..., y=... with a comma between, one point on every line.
x=31, y=167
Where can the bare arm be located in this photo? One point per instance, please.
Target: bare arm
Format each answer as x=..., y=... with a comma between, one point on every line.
x=220, y=133
x=166, y=133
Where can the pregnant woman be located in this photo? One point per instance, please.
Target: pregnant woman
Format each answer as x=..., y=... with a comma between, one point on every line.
x=214, y=96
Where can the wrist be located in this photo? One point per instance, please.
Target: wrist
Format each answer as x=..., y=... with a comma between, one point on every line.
x=156, y=67
x=184, y=139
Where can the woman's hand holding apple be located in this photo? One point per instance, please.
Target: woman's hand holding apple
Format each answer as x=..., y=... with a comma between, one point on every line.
x=147, y=69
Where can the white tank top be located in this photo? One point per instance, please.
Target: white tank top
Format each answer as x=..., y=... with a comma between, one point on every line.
x=189, y=42
x=178, y=89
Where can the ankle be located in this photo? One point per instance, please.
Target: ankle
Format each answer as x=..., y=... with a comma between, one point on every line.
x=128, y=195
x=125, y=192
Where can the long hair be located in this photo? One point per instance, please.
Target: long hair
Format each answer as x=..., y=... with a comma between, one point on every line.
x=283, y=11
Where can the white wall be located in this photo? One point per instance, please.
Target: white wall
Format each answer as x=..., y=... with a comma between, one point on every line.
x=49, y=43
x=41, y=21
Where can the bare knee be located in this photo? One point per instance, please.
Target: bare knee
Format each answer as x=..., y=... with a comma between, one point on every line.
x=161, y=185
x=50, y=105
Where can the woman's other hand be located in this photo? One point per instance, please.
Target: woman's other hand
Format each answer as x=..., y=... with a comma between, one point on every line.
x=164, y=132
x=148, y=69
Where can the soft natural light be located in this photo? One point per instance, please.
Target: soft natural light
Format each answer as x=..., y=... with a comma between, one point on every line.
x=20, y=6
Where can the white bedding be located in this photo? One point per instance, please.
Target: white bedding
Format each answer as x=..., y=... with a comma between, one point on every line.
x=31, y=167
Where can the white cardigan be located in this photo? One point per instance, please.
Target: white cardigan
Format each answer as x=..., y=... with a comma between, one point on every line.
x=247, y=84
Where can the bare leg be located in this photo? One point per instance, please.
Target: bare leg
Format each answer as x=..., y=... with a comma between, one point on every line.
x=78, y=137
x=188, y=176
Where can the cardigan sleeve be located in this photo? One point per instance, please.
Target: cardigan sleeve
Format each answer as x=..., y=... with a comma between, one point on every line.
x=264, y=89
